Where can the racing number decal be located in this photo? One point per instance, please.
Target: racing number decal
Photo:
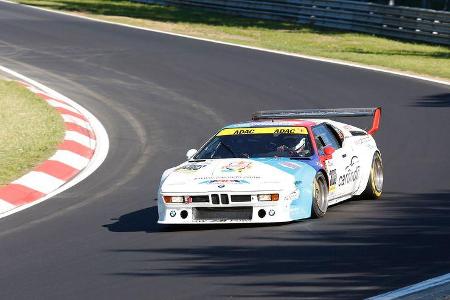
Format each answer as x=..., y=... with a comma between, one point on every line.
x=333, y=177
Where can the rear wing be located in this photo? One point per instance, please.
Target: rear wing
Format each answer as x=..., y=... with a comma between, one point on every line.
x=323, y=113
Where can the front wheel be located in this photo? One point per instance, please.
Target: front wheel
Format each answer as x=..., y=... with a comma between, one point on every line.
x=320, y=196
x=374, y=186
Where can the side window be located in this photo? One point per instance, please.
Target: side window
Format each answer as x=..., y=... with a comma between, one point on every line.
x=324, y=137
x=337, y=134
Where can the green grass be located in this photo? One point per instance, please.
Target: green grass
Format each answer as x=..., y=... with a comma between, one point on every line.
x=415, y=58
x=30, y=130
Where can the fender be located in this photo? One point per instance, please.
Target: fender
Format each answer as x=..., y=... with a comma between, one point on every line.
x=300, y=208
x=161, y=210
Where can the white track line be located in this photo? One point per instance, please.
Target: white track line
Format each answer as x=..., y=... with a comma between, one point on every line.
x=327, y=60
x=4, y=206
x=71, y=159
x=421, y=286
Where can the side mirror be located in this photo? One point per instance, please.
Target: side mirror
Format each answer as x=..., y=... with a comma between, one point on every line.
x=191, y=153
x=328, y=151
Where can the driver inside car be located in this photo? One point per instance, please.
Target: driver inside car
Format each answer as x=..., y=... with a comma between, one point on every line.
x=292, y=147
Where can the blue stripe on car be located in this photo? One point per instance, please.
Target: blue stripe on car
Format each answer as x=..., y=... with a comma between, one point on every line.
x=304, y=174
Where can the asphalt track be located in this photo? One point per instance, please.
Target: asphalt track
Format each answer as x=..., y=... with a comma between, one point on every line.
x=159, y=95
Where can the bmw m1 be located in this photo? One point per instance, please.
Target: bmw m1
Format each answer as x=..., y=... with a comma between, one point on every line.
x=281, y=166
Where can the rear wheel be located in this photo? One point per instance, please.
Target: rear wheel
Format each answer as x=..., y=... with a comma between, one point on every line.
x=320, y=196
x=374, y=186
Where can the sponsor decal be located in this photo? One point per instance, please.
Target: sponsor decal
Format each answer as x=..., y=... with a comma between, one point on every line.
x=239, y=166
x=290, y=165
x=329, y=163
x=263, y=130
x=221, y=182
x=351, y=173
x=227, y=178
x=189, y=168
x=363, y=140
x=333, y=177
x=292, y=196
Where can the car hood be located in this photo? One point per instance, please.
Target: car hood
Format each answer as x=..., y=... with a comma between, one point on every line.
x=236, y=175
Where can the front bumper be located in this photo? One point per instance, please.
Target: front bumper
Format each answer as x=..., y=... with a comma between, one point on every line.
x=261, y=212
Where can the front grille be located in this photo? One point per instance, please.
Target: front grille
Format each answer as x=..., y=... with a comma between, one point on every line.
x=222, y=213
x=215, y=199
x=200, y=199
x=224, y=199
x=241, y=198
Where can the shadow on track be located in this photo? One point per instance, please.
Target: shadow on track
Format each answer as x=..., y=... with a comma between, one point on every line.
x=137, y=221
x=352, y=254
x=439, y=100
x=145, y=220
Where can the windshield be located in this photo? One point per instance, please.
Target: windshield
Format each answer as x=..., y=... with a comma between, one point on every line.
x=290, y=142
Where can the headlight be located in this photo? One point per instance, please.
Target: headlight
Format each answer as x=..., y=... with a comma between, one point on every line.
x=174, y=199
x=268, y=197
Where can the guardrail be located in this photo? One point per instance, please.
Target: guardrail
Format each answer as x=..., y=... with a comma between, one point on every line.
x=407, y=23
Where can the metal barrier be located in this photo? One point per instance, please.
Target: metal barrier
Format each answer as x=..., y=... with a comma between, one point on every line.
x=407, y=23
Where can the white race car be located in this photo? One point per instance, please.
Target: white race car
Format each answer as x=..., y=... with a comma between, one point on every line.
x=279, y=167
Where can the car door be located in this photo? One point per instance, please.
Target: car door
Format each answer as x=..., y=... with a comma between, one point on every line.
x=348, y=182
x=325, y=135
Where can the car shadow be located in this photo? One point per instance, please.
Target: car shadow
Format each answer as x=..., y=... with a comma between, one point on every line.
x=145, y=220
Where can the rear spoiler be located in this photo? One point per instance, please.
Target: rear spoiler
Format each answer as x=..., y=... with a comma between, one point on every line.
x=323, y=113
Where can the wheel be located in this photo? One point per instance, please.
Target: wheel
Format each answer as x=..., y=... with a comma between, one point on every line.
x=320, y=196
x=374, y=186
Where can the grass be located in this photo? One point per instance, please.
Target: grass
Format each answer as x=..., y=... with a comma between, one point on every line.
x=30, y=130
x=366, y=49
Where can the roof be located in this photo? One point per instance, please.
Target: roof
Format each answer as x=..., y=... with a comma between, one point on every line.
x=280, y=122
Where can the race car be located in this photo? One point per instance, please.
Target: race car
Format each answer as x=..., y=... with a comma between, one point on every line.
x=281, y=166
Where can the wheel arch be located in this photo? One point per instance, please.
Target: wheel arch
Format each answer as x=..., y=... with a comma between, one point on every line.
x=324, y=173
x=365, y=171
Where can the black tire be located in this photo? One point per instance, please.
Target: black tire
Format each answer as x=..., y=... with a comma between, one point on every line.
x=320, y=196
x=374, y=187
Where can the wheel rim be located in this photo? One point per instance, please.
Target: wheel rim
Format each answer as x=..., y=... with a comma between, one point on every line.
x=320, y=195
x=377, y=175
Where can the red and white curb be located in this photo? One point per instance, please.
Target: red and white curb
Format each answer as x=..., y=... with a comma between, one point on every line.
x=83, y=149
